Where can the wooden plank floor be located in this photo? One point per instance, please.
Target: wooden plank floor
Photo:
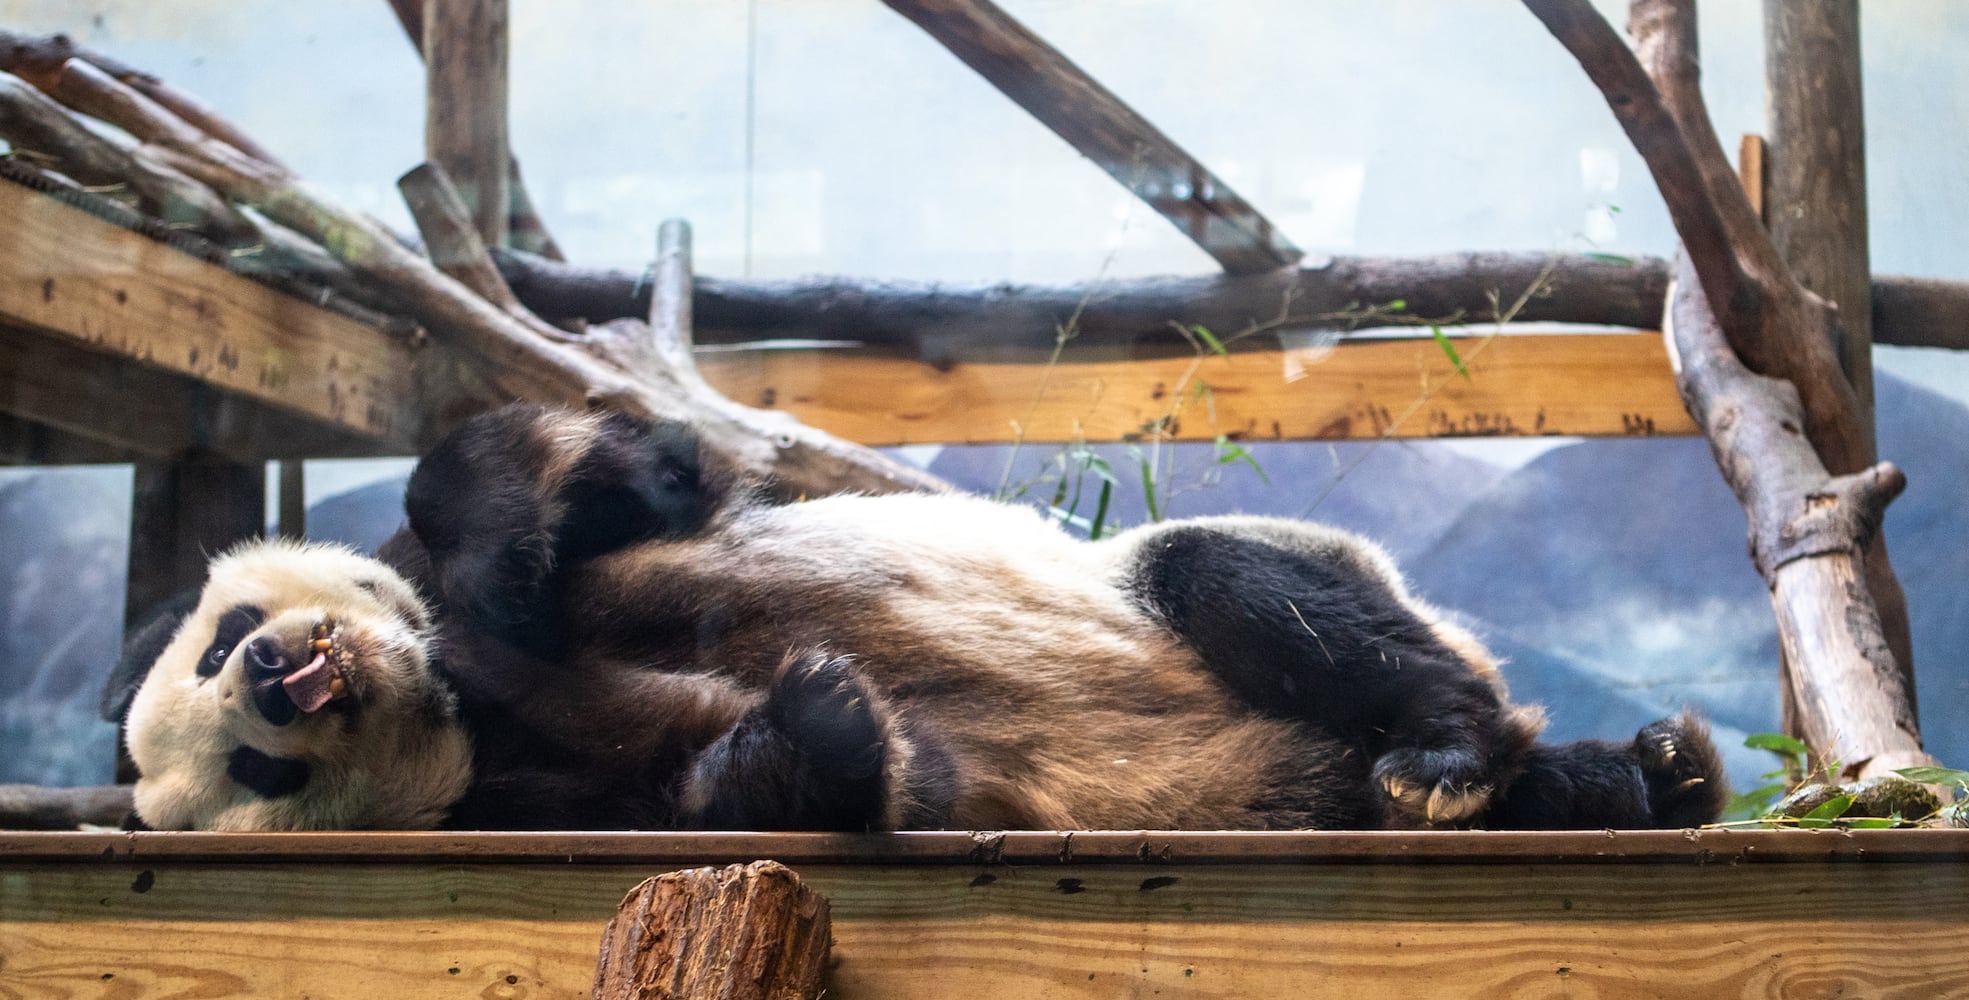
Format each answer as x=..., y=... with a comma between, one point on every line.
x=1659, y=914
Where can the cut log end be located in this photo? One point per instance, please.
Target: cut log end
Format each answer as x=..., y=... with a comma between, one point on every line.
x=735, y=933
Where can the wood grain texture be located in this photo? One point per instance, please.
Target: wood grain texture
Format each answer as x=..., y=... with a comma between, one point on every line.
x=1587, y=384
x=465, y=48
x=66, y=273
x=141, y=930
x=741, y=932
x=136, y=408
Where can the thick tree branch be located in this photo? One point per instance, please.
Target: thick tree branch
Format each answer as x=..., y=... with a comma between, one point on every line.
x=943, y=321
x=1809, y=531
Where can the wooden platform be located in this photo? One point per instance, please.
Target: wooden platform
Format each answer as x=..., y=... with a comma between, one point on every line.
x=1358, y=916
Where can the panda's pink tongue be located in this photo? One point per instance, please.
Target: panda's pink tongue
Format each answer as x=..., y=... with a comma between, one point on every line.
x=308, y=686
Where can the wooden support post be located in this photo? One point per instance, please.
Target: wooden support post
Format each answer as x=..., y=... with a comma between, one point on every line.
x=1816, y=213
x=1104, y=129
x=293, y=519
x=736, y=933
x=185, y=512
x=1817, y=140
x=465, y=105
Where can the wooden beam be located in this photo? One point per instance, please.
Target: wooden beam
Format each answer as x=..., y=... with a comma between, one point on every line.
x=1579, y=384
x=24, y=442
x=465, y=105
x=1368, y=916
x=128, y=408
x=1094, y=121
x=93, y=285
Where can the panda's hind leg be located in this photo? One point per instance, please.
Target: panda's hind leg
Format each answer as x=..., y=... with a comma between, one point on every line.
x=823, y=751
x=1310, y=623
x=1669, y=776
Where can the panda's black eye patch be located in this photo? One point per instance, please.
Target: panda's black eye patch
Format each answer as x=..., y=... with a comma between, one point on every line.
x=234, y=627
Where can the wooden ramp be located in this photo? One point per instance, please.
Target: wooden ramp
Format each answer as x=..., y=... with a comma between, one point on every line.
x=1346, y=915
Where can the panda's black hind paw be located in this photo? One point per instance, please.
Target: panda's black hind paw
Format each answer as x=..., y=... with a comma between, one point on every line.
x=1428, y=788
x=1682, y=772
x=838, y=731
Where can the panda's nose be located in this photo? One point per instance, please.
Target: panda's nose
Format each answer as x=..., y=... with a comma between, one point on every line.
x=266, y=662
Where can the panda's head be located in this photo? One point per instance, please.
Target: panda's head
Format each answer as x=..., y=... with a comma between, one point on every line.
x=297, y=694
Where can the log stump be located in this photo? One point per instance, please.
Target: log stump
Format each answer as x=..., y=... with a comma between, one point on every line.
x=744, y=932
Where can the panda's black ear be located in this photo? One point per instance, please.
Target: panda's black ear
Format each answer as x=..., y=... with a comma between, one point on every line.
x=141, y=650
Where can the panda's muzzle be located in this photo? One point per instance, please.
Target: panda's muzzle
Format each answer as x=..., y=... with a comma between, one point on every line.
x=284, y=685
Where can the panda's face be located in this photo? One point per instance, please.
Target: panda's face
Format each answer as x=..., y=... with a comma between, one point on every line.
x=298, y=695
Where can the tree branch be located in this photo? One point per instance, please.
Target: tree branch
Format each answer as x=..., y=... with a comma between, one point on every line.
x=1809, y=531
x=1652, y=127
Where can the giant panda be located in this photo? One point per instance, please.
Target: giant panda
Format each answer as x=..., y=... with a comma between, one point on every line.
x=590, y=622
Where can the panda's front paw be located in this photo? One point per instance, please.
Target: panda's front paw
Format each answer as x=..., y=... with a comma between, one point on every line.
x=819, y=705
x=1682, y=771
x=1427, y=788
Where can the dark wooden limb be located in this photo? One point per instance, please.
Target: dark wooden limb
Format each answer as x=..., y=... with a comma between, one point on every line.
x=1128, y=317
x=1920, y=312
x=745, y=932
x=25, y=442
x=1094, y=121
x=35, y=807
x=464, y=46
x=1650, y=124
x=1809, y=531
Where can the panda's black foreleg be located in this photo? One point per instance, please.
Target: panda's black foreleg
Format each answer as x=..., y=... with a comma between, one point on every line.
x=1669, y=776
x=512, y=497
x=813, y=756
x=1315, y=635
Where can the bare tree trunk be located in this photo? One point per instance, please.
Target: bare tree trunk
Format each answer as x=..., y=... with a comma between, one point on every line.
x=1818, y=221
x=1853, y=699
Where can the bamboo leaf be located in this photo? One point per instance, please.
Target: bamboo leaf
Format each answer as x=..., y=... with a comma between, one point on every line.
x=1935, y=775
x=1831, y=809
x=1209, y=339
x=1442, y=341
x=1777, y=743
